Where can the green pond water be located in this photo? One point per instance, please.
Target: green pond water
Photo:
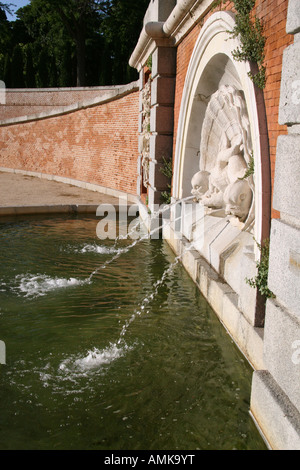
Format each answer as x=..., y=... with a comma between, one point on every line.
x=129, y=358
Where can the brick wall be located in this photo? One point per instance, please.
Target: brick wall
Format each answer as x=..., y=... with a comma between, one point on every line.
x=273, y=13
x=22, y=102
x=97, y=144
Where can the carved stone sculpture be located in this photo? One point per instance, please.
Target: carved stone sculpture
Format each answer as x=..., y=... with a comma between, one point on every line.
x=200, y=184
x=146, y=98
x=225, y=153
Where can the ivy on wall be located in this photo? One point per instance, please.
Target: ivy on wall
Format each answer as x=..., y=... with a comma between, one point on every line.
x=167, y=170
x=249, y=28
x=260, y=281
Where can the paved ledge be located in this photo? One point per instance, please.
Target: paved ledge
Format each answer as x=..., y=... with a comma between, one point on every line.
x=24, y=193
x=54, y=209
x=48, y=209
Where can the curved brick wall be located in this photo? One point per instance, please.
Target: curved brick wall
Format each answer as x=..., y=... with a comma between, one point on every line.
x=97, y=143
x=20, y=102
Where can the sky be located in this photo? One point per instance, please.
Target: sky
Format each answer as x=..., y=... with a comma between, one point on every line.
x=18, y=4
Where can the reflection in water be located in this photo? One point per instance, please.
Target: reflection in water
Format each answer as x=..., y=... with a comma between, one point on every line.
x=132, y=358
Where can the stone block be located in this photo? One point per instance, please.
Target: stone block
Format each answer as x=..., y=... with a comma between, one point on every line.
x=161, y=119
x=248, y=338
x=162, y=90
x=287, y=175
x=282, y=349
x=204, y=274
x=164, y=61
x=161, y=146
x=141, y=79
x=284, y=265
x=293, y=17
x=189, y=261
x=139, y=165
x=138, y=185
x=289, y=107
x=140, y=143
x=156, y=177
x=140, y=123
x=250, y=302
x=273, y=412
x=216, y=292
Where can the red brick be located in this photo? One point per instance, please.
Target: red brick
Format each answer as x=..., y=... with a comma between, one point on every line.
x=97, y=144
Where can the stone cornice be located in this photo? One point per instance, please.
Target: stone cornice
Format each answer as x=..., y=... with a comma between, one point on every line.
x=169, y=33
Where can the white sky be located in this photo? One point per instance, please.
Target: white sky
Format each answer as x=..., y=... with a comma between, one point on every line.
x=18, y=4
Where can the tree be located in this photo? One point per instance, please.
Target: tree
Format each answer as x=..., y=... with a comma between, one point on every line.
x=29, y=68
x=79, y=18
x=81, y=42
x=122, y=26
x=6, y=7
x=17, y=67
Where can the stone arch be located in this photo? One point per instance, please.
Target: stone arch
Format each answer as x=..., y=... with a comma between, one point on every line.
x=211, y=67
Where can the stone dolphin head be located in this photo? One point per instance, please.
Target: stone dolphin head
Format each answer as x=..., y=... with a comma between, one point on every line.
x=200, y=184
x=238, y=198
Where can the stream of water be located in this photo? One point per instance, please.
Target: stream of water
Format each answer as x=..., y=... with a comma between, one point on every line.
x=130, y=357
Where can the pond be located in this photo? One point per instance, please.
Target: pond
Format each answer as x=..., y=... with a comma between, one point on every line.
x=131, y=357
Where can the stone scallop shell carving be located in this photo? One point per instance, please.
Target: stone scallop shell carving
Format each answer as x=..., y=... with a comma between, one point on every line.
x=225, y=156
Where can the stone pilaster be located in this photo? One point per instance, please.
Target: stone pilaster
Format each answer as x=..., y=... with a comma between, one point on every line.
x=162, y=118
x=275, y=401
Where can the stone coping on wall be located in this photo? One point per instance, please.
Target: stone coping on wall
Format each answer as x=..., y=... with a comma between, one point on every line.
x=112, y=93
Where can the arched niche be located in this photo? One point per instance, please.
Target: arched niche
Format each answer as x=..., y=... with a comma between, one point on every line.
x=211, y=67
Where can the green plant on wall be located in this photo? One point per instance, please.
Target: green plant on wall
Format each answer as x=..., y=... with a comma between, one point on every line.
x=251, y=36
x=149, y=63
x=260, y=281
x=250, y=169
x=167, y=170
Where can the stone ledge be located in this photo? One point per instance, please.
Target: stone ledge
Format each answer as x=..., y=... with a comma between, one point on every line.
x=111, y=95
x=283, y=328
x=56, y=209
x=48, y=209
x=81, y=184
x=273, y=412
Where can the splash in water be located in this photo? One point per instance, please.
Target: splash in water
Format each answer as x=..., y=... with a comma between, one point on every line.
x=40, y=284
x=97, y=358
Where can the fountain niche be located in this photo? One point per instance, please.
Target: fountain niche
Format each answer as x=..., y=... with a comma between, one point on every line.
x=218, y=159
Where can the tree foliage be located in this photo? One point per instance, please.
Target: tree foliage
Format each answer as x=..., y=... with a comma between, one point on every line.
x=70, y=42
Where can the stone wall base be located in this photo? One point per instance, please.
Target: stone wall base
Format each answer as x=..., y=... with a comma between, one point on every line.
x=273, y=412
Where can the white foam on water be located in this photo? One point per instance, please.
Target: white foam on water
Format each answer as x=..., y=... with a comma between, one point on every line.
x=102, y=250
x=97, y=358
x=94, y=359
x=2, y=287
x=34, y=285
